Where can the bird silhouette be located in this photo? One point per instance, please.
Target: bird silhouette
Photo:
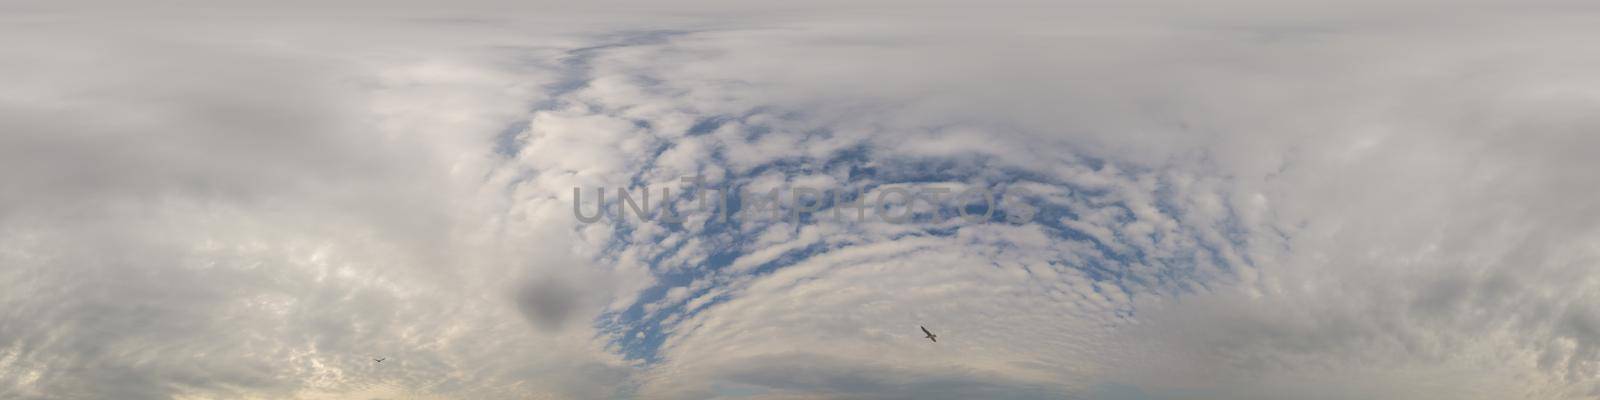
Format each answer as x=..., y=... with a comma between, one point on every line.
x=379, y=359
x=931, y=336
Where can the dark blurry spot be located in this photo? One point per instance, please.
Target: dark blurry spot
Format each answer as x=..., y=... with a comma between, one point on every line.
x=546, y=303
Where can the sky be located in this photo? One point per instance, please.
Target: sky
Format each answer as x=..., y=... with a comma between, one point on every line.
x=1230, y=200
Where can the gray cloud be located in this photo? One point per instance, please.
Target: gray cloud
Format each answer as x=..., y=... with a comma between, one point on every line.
x=1332, y=202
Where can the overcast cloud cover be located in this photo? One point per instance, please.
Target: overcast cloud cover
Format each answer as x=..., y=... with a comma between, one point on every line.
x=1236, y=200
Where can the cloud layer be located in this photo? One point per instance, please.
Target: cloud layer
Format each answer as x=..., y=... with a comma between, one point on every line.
x=1243, y=202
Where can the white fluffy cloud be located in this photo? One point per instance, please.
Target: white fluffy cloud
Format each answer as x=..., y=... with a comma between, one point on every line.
x=1242, y=202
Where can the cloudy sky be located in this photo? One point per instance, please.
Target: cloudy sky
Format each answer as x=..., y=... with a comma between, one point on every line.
x=1236, y=200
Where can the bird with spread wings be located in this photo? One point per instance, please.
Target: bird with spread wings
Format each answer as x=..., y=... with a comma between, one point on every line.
x=931, y=336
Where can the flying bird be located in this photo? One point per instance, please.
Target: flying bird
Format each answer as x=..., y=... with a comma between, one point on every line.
x=931, y=336
x=379, y=359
